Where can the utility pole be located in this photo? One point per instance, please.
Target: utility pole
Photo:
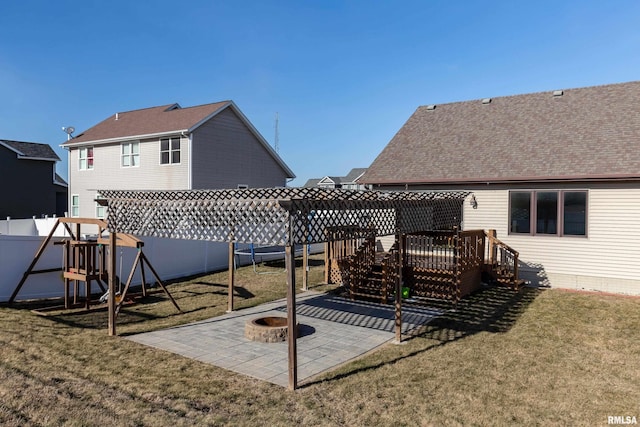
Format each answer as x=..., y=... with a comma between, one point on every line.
x=276, y=144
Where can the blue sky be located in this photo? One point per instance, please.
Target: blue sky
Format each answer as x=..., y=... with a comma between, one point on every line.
x=343, y=76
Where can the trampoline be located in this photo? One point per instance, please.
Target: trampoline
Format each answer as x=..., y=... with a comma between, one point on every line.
x=259, y=253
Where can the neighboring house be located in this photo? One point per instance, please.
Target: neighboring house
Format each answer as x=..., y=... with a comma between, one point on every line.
x=349, y=182
x=168, y=147
x=557, y=174
x=30, y=184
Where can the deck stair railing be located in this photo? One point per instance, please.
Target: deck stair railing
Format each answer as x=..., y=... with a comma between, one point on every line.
x=389, y=272
x=362, y=282
x=501, y=261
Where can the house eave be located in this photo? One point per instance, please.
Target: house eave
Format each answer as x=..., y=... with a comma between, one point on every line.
x=512, y=180
x=71, y=144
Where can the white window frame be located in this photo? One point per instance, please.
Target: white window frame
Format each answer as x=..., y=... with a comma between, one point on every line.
x=85, y=162
x=75, y=208
x=170, y=151
x=127, y=154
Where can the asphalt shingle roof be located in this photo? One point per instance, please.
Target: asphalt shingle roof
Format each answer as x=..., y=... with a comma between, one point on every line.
x=586, y=133
x=154, y=120
x=32, y=149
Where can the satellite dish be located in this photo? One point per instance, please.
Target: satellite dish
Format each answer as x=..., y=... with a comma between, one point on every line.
x=69, y=130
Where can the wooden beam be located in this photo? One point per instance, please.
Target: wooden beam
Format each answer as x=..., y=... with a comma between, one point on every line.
x=292, y=327
x=112, y=284
x=37, y=256
x=95, y=221
x=326, y=262
x=400, y=238
x=144, y=258
x=232, y=276
x=305, y=267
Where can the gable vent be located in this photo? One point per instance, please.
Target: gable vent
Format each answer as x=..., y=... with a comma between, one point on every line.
x=431, y=107
x=486, y=101
x=558, y=92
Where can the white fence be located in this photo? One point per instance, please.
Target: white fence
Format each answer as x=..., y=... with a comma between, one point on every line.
x=170, y=258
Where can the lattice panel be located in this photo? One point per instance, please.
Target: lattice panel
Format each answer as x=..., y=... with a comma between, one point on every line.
x=276, y=216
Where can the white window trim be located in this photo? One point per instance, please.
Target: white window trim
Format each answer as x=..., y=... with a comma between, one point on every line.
x=131, y=155
x=86, y=159
x=160, y=151
x=77, y=215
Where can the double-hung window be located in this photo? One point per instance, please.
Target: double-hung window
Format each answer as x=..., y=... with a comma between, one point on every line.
x=170, y=151
x=75, y=205
x=548, y=212
x=130, y=154
x=85, y=158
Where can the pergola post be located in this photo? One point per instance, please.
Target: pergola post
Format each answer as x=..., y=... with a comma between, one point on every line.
x=112, y=284
x=232, y=275
x=305, y=267
x=400, y=239
x=292, y=328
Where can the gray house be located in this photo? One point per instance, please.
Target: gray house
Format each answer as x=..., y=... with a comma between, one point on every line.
x=30, y=184
x=168, y=147
x=556, y=174
x=349, y=182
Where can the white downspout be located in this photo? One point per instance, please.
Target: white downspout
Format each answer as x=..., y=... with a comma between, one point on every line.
x=190, y=162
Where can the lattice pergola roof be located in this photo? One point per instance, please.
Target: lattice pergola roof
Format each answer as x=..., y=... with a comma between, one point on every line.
x=278, y=216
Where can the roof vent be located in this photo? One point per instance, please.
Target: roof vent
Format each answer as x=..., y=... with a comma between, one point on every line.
x=431, y=107
x=116, y=116
x=486, y=101
x=558, y=92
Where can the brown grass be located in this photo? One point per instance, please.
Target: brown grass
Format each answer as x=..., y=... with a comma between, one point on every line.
x=527, y=358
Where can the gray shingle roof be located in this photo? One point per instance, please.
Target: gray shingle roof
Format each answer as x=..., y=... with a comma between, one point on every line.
x=353, y=174
x=586, y=133
x=31, y=149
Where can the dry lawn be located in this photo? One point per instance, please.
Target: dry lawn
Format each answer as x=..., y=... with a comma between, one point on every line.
x=503, y=358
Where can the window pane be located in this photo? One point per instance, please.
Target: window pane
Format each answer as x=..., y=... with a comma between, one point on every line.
x=520, y=212
x=175, y=143
x=125, y=161
x=547, y=212
x=575, y=213
x=135, y=147
x=134, y=159
x=125, y=148
x=175, y=157
x=90, y=152
x=164, y=158
x=164, y=145
x=83, y=164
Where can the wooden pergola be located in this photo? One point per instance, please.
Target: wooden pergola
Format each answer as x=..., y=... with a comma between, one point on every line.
x=277, y=216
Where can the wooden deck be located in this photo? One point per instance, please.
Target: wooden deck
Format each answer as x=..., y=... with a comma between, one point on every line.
x=435, y=265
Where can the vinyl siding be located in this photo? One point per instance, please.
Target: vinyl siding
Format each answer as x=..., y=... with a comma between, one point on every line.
x=608, y=259
x=226, y=153
x=108, y=174
x=27, y=188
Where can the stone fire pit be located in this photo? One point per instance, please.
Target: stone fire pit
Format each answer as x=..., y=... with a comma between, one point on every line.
x=266, y=329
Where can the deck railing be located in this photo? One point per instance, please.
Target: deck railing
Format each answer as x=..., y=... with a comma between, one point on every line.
x=360, y=265
x=389, y=267
x=502, y=260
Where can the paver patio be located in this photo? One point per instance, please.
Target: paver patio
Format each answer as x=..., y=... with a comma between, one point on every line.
x=332, y=330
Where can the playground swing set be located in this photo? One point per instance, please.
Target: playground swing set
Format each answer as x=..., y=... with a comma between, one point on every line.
x=84, y=260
